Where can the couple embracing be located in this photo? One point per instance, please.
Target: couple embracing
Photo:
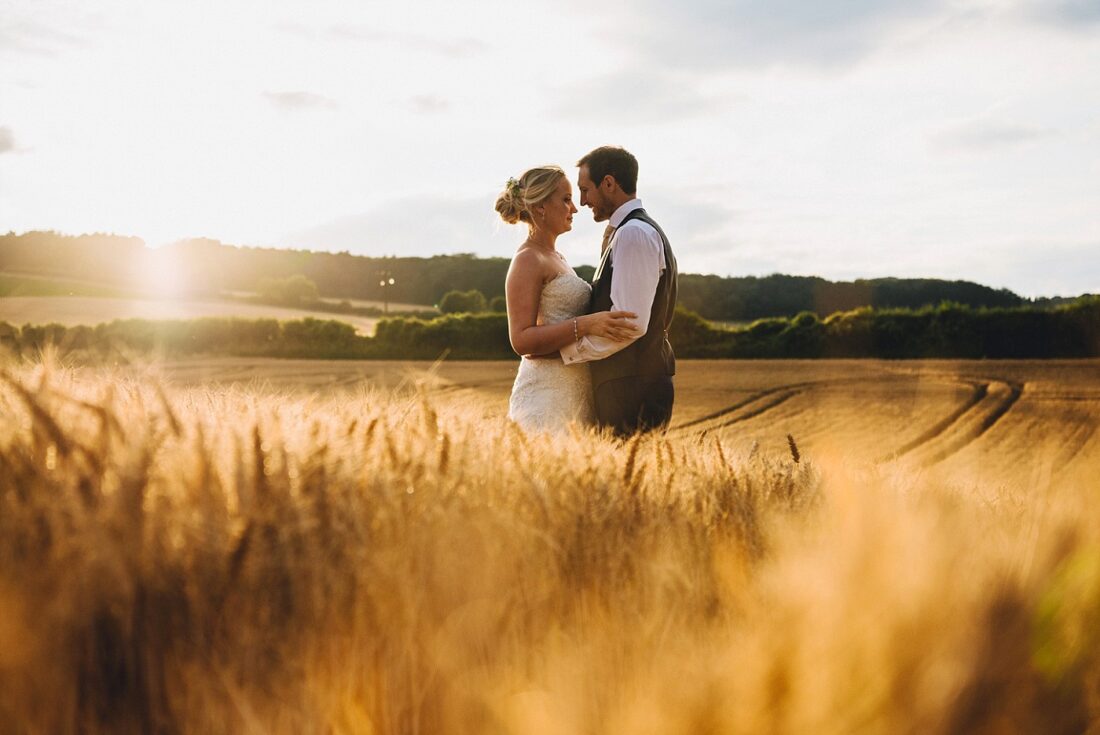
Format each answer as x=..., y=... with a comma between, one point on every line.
x=592, y=354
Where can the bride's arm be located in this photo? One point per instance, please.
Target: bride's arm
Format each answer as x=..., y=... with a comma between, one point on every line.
x=523, y=289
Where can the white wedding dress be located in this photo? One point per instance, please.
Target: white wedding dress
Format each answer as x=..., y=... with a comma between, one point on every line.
x=548, y=395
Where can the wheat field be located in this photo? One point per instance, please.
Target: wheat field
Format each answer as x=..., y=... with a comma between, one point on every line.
x=234, y=546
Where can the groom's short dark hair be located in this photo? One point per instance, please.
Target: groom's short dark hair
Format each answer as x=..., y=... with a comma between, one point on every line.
x=613, y=161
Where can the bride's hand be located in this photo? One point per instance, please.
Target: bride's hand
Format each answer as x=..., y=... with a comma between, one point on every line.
x=616, y=325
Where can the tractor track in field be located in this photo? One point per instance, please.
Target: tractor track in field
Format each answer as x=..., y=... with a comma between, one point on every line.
x=767, y=405
x=979, y=391
x=349, y=380
x=988, y=403
x=471, y=385
x=1067, y=399
x=756, y=404
x=1070, y=452
x=1077, y=440
x=205, y=374
x=787, y=392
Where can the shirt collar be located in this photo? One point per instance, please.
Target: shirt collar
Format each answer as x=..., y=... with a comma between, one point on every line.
x=624, y=209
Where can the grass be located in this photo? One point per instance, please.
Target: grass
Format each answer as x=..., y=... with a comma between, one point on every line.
x=252, y=559
x=16, y=285
x=70, y=310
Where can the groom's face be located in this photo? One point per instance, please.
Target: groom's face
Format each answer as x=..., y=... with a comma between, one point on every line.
x=593, y=197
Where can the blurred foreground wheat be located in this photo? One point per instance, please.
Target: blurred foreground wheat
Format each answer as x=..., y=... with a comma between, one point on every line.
x=240, y=560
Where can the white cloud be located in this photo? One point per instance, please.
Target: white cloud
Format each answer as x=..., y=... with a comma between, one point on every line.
x=299, y=100
x=374, y=34
x=1076, y=15
x=413, y=226
x=35, y=38
x=653, y=97
x=984, y=135
x=711, y=36
x=428, y=104
x=708, y=34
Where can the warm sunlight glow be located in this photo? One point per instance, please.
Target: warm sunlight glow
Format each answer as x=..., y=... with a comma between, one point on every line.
x=162, y=275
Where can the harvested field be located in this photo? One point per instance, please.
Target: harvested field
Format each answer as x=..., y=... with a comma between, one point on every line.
x=999, y=419
x=73, y=310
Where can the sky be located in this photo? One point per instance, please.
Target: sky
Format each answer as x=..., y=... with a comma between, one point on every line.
x=840, y=138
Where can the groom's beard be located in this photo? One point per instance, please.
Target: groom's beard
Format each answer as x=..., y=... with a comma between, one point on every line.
x=601, y=210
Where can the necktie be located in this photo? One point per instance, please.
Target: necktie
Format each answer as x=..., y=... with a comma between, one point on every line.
x=607, y=232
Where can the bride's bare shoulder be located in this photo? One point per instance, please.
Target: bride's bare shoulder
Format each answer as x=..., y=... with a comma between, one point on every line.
x=528, y=263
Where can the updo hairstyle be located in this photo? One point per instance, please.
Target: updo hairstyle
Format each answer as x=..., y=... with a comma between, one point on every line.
x=534, y=187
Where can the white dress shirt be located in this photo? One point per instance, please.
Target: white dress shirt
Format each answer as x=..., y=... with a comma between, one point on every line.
x=637, y=257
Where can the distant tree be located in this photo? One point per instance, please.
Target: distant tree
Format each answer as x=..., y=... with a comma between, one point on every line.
x=463, y=302
x=498, y=304
x=296, y=290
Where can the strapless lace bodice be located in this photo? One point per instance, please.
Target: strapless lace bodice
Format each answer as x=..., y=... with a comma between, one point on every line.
x=548, y=394
x=564, y=298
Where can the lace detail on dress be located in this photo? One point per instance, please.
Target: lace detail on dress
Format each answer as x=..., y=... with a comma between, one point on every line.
x=548, y=394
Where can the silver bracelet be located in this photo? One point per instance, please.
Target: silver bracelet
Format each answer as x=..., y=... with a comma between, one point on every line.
x=576, y=337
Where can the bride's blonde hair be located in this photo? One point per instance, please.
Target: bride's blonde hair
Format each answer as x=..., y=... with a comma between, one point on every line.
x=534, y=187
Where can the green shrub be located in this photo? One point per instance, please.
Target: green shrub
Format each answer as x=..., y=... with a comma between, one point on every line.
x=460, y=335
x=296, y=290
x=693, y=336
x=463, y=302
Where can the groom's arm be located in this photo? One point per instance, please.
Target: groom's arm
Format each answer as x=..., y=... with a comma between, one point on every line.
x=636, y=269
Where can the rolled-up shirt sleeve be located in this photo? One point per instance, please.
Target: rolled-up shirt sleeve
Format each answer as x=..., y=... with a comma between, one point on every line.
x=636, y=269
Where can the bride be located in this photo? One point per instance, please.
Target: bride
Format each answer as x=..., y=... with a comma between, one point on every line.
x=547, y=305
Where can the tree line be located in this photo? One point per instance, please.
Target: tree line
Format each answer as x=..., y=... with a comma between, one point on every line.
x=945, y=331
x=209, y=267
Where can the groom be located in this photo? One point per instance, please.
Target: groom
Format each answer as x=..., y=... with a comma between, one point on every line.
x=632, y=380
